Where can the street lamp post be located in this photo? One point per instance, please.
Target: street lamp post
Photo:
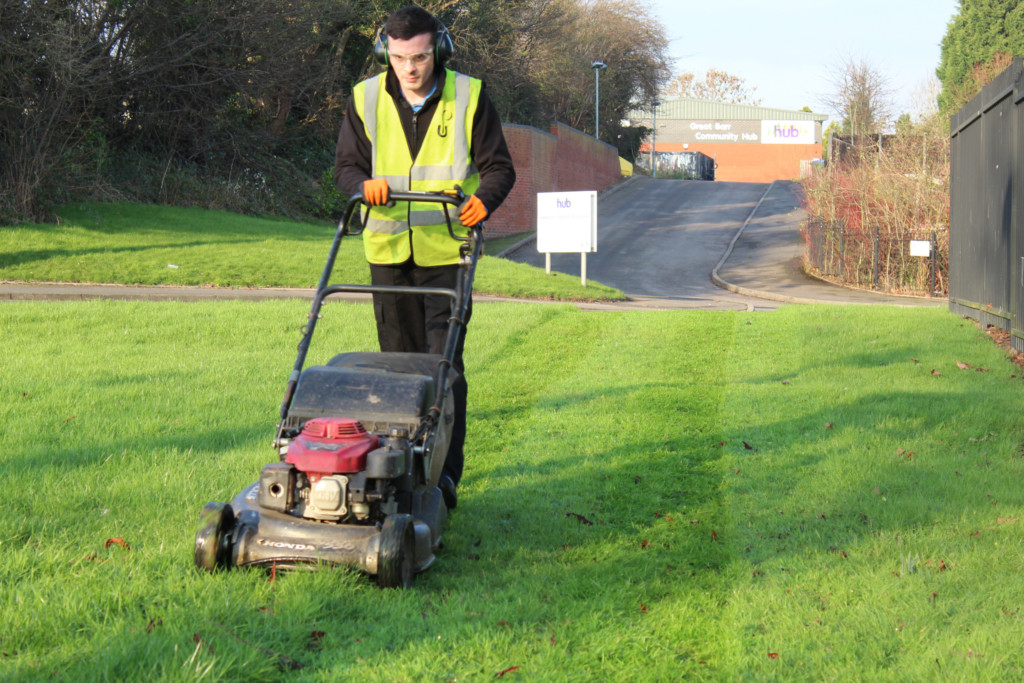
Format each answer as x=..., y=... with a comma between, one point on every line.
x=597, y=66
x=654, y=136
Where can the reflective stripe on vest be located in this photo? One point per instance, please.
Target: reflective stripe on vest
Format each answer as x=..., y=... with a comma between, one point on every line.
x=419, y=229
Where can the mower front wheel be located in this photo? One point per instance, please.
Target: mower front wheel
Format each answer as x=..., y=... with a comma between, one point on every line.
x=395, y=568
x=213, y=545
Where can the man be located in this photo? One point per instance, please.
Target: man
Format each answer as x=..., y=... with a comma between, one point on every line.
x=420, y=126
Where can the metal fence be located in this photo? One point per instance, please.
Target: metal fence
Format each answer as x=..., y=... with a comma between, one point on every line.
x=986, y=250
x=876, y=258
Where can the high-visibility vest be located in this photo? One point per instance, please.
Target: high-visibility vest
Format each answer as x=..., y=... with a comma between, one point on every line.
x=418, y=229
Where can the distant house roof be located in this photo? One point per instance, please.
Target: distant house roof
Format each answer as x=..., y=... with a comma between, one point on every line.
x=686, y=108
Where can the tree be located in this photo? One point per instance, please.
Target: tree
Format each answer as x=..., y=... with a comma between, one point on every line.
x=717, y=86
x=235, y=103
x=862, y=96
x=979, y=42
x=54, y=79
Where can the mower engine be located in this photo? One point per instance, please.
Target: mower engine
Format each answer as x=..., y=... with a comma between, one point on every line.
x=334, y=470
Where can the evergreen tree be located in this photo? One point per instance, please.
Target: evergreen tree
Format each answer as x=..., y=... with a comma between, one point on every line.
x=980, y=38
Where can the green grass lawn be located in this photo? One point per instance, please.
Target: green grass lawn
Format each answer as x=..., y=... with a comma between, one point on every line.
x=811, y=493
x=158, y=245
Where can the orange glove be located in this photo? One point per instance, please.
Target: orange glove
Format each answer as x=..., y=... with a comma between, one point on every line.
x=375, y=191
x=472, y=211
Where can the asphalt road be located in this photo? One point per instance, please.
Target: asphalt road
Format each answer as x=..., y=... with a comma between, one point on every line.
x=659, y=240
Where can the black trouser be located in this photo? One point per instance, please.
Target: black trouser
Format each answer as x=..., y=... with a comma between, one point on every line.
x=419, y=324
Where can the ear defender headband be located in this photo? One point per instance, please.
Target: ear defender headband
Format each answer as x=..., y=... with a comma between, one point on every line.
x=443, y=46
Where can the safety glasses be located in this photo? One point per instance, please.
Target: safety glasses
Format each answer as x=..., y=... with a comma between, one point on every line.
x=418, y=59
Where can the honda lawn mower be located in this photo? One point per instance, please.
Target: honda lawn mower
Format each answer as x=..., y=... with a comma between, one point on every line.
x=361, y=444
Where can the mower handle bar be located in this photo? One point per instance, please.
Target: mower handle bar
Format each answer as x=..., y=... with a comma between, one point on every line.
x=454, y=198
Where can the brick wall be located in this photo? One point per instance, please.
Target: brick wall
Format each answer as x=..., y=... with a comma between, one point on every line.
x=564, y=159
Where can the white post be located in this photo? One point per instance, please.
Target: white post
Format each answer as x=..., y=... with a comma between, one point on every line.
x=547, y=262
x=583, y=268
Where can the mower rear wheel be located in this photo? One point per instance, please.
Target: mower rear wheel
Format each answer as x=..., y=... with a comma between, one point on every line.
x=395, y=565
x=212, y=543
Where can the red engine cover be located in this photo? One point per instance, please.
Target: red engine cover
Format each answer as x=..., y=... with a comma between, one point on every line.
x=331, y=445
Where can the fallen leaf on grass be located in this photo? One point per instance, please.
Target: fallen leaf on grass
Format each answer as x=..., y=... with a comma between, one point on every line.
x=936, y=373
x=579, y=518
x=116, y=541
x=509, y=670
x=643, y=607
x=645, y=544
x=153, y=624
x=914, y=359
x=748, y=446
x=198, y=640
x=830, y=425
x=1006, y=520
x=962, y=365
x=503, y=623
x=773, y=655
x=714, y=535
x=315, y=639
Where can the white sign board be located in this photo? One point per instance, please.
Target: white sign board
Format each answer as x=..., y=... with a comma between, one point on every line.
x=920, y=248
x=567, y=222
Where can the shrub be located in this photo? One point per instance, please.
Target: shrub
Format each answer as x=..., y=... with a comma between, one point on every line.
x=874, y=199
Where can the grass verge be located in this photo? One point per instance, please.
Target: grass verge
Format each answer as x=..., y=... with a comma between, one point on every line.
x=819, y=492
x=123, y=243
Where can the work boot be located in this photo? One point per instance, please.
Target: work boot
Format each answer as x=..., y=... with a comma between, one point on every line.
x=447, y=486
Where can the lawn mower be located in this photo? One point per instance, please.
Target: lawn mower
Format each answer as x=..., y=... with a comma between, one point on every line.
x=361, y=444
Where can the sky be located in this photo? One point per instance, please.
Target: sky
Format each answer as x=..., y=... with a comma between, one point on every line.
x=789, y=49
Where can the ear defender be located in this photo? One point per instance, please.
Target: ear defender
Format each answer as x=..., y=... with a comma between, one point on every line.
x=443, y=46
x=380, y=48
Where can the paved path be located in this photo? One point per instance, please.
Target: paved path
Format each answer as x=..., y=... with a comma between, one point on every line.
x=665, y=243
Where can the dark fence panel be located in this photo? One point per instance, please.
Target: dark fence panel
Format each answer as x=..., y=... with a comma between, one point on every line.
x=986, y=195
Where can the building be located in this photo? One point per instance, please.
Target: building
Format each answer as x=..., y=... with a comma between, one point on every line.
x=747, y=143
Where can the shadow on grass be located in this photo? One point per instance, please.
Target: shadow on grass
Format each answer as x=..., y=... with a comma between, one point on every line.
x=18, y=258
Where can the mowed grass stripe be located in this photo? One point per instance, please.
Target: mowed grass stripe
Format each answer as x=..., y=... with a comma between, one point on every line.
x=600, y=501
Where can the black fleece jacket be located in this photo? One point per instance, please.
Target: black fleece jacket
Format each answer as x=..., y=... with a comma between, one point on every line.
x=353, y=157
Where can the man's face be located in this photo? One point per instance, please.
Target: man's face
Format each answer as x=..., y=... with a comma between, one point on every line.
x=413, y=62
